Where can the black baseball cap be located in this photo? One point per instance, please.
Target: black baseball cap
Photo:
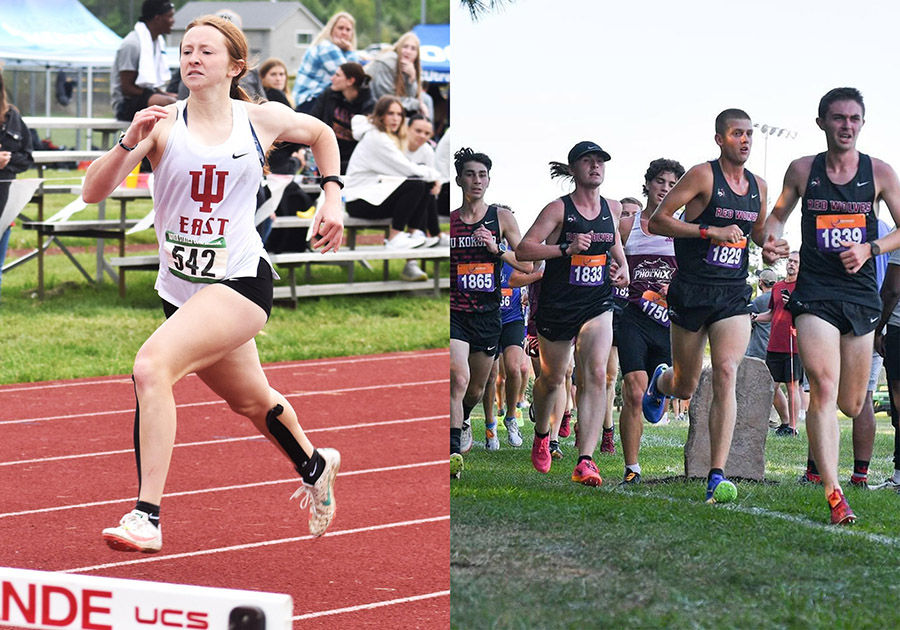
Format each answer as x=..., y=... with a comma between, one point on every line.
x=583, y=148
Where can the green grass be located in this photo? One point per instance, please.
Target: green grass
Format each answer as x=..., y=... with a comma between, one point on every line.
x=536, y=551
x=82, y=329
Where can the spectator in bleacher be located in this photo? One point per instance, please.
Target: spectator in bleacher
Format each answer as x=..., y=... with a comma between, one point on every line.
x=250, y=82
x=15, y=156
x=348, y=96
x=285, y=159
x=215, y=278
x=398, y=72
x=420, y=151
x=381, y=181
x=335, y=44
x=442, y=155
x=140, y=69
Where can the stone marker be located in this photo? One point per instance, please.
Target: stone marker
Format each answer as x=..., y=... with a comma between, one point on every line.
x=747, y=458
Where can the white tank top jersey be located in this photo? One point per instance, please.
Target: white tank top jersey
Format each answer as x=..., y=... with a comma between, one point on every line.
x=205, y=202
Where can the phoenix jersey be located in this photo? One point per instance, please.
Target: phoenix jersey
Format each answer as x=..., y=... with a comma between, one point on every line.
x=474, y=271
x=651, y=263
x=510, y=298
x=832, y=214
x=580, y=281
x=707, y=261
x=205, y=204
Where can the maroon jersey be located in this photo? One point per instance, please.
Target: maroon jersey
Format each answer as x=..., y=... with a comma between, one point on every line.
x=474, y=271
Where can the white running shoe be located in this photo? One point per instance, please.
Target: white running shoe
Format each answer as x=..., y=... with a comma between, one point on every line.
x=430, y=241
x=466, y=439
x=412, y=272
x=134, y=533
x=320, y=497
x=399, y=241
x=417, y=239
x=491, y=441
x=887, y=484
x=443, y=241
x=513, y=437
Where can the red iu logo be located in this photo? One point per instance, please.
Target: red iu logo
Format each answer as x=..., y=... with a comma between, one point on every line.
x=207, y=197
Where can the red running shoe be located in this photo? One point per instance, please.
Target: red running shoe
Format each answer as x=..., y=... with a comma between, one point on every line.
x=540, y=454
x=608, y=443
x=841, y=514
x=564, y=430
x=586, y=473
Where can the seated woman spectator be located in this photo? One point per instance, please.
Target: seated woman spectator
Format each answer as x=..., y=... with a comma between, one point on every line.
x=420, y=151
x=335, y=44
x=383, y=183
x=286, y=158
x=15, y=156
x=348, y=96
x=398, y=72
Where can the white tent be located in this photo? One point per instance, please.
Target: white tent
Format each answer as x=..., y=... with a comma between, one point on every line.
x=59, y=31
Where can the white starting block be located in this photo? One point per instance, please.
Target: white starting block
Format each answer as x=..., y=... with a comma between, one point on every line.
x=41, y=599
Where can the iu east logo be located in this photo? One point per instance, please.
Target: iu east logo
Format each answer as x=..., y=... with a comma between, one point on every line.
x=211, y=179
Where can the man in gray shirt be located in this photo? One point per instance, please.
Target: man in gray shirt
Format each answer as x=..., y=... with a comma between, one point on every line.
x=127, y=97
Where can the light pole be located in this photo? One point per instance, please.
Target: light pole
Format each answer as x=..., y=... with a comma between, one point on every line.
x=768, y=130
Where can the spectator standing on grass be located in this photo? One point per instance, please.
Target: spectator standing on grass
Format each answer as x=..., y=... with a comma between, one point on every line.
x=888, y=344
x=382, y=183
x=760, y=330
x=140, y=69
x=836, y=305
x=215, y=279
x=782, y=353
x=334, y=45
x=15, y=156
x=398, y=72
x=348, y=96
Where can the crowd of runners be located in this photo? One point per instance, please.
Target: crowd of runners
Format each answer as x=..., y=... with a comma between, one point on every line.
x=645, y=288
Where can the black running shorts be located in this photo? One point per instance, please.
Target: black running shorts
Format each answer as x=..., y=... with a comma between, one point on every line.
x=847, y=317
x=480, y=330
x=695, y=306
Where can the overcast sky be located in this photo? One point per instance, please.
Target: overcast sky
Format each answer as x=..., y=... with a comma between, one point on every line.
x=646, y=79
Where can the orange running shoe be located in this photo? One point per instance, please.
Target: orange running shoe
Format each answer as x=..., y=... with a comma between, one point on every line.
x=841, y=514
x=586, y=473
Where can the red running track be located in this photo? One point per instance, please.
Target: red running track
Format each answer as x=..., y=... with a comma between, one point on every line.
x=67, y=471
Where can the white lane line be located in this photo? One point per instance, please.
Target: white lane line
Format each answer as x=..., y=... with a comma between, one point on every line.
x=390, y=602
x=791, y=518
x=272, y=367
x=258, y=484
x=204, y=403
x=265, y=543
x=365, y=425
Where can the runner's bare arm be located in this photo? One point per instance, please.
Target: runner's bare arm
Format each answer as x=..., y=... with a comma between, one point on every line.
x=691, y=192
x=532, y=245
x=758, y=232
x=887, y=189
x=774, y=246
x=509, y=229
x=522, y=279
x=108, y=171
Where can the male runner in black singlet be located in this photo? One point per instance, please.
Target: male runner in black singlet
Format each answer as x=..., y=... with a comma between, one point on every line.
x=577, y=236
x=724, y=204
x=836, y=305
x=476, y=257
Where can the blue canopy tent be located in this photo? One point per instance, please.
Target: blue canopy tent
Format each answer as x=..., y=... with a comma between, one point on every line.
x=435, y=51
